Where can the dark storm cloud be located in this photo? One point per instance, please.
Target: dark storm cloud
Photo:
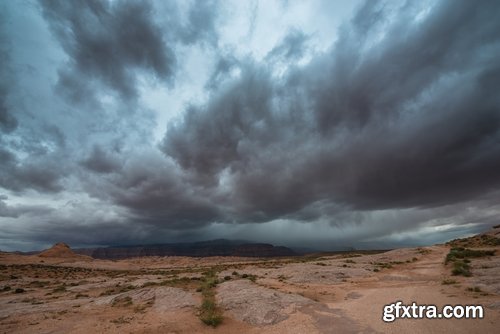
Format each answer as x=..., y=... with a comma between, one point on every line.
x=156, y=193
x=7, y=121
x=108, y=42
x=392, y=132
x=403, y=112
x=100, y=161
x=39, y=174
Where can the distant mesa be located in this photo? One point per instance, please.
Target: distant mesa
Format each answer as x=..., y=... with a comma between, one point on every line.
x=60, y=250
x=219, y=247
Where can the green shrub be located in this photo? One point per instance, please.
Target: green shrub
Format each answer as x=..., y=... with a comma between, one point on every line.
x=461, y=268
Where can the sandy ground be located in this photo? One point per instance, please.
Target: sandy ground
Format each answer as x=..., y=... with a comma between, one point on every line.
x=342, y=293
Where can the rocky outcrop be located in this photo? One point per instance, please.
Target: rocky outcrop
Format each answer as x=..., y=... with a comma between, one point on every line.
x=59, y=250
x=257, y=305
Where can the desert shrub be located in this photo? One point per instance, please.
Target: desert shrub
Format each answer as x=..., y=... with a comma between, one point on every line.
x=19, y=290
x=461, y=268
x=448, y=281
x=209, y=313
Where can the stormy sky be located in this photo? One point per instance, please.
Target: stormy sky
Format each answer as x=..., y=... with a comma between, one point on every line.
x=322, y=124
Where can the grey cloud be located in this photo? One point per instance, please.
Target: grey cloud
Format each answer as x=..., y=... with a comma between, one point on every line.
x=410, y=121
x=201, y=26
x=39, y=174
x=223, y=67
x=395, y=129
x=5, y=210
x=108, y=42
x=100, y=161
x=7, y=121
x=292, y=47
x=16, y=211
x=155, y=192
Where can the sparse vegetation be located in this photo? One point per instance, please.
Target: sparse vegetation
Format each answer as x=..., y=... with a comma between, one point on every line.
x=448, y=281
x=19, y=290
x=383, y=265
x=209, y=313
x=461, y=268
x=423, y=251
x=476, y=241
x=459, y=257
x=464, y=253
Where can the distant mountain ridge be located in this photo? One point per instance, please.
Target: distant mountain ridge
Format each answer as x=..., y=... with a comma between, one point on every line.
x=220, y=247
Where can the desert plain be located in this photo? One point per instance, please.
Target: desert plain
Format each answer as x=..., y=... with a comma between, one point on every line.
x=58, y=291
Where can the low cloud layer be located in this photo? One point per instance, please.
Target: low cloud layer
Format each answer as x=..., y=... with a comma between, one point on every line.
x=390, y=135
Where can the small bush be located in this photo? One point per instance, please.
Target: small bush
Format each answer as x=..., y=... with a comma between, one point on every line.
x=461, y=268
x=227, y=278
x=448, y=281
x=19, y=290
